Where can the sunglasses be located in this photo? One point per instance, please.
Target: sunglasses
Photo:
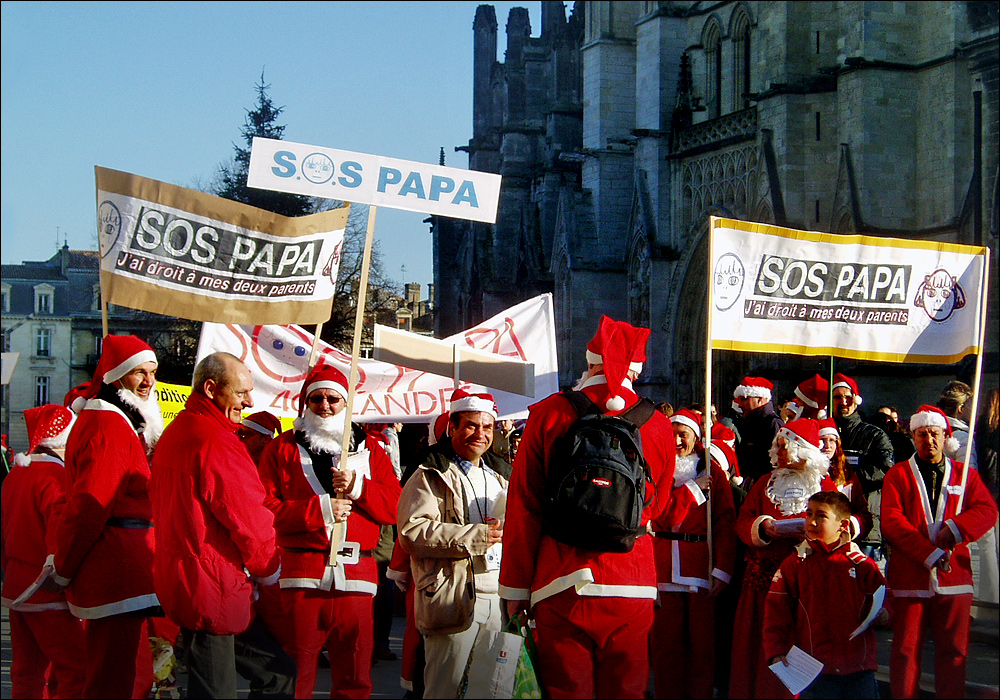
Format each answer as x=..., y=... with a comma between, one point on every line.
x=317, y=400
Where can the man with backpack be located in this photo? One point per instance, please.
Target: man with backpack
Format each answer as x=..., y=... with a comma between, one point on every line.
x=594, y=466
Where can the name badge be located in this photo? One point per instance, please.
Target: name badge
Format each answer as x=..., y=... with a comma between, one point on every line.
x=795, y=492
x=954, y=489
x=492, y=557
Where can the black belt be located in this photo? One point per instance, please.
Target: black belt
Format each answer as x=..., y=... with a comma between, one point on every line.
x=129, y=523
x=681, y=536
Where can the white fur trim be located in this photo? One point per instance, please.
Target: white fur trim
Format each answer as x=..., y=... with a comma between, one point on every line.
x=754, y=392
x=954, y=530
x=854, y=527
x=699, y=495
x=127, y=365
x=718, y=455
x=805, y=399
x=930, y=561
x=684, y=420
x=272, y=579
x=514, y=593
x=928, y=418
x=58, y=441
x=327, y=384
x=22, y=460
x=594, y=359
x=755, y=537
x=474, y=403
x=857, y=397
x=253, y=425
x=615, y=403
x=721, y=575
x=823, y=432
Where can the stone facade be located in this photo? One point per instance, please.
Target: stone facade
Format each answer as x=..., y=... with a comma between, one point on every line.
x=623, y=126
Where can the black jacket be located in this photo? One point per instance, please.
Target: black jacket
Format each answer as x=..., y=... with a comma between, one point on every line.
x=867, y=448
x=757, y=431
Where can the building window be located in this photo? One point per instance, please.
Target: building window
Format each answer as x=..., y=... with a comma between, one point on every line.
x=741, y=59
x=42, y=390
x=713, y=73
x=95, y=304
x=5, y=304
x=43, y=299
x=43, y=342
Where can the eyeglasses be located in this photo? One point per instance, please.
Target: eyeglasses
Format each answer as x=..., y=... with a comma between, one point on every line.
x=332, y=400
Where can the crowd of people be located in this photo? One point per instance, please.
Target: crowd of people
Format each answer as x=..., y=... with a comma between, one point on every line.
x=637, y=539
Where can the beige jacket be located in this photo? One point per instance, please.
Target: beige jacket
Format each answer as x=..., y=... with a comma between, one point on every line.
x=434, y=529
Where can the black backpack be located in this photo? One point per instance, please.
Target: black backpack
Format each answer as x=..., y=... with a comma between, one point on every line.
x=596, y=485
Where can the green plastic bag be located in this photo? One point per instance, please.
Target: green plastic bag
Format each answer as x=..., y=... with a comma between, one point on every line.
x=526, y=683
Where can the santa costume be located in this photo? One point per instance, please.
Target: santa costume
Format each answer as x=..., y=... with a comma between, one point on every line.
x=593, y=610
x=328, y=604
x=925, y=594
x=682, y=640
x=46, y=639
x=104, y=542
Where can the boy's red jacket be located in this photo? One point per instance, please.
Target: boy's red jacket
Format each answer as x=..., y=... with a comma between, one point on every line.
x=816, y=601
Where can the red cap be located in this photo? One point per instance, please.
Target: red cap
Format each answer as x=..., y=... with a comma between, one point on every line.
x=848, y=383
x=720, y=431
x=619, y=347
x=934, y=416
x=47, y=425
x=805, y=430
x=263, y=422
x=691, y=419
x=322, y=376
x=120, y=354
x=462, y=400
x=814, y=392
x=828, y=427
x=725, y=456
x=754, y=387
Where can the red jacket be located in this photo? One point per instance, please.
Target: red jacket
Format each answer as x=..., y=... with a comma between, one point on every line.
x=907, y=521
x=685, y=564
x=535, y=566
x=109, y=568
x=32, y=499
x=211, y=522
x=303, y=515
x=816, y=601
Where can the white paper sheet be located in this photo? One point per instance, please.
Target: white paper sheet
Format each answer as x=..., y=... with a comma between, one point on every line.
x=878, y=599
x=800, y=672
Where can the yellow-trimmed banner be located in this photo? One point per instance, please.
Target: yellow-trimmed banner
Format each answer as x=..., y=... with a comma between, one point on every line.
x=172, y=398
x=180, y=252
x=786, y=291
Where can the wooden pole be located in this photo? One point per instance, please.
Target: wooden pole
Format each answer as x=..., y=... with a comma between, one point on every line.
x=314, y=353
x=707, y=418
x=104, y=307
x=339, y=528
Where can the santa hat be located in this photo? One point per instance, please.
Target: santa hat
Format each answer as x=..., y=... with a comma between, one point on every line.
x=828, y=427
x=263, y=422
x=720, y=431
x=462, y=400
x=805, y=431
x=842, y=380
x=619, y=347
x=725, y=457
x=438, y=429
x=757, y=387
x=814, y=392
x=120, y=354
x=932, y=416
x=75, y=398
x=48, y=426
x=689, y=418
x=322, y=376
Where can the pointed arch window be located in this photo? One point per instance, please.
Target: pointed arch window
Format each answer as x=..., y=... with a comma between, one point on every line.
x=713, y=71
x=741, y=59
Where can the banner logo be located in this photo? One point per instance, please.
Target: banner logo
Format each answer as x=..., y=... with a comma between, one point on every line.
x=729, y=277
x=109, y=226
x=939, y=295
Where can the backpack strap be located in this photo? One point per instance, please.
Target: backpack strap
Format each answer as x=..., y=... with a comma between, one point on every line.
x=581, y=403
x=639, y=413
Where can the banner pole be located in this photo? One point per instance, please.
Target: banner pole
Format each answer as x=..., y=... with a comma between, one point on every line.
x=339, y=528
x=707, y=417
x=977, y=379
x=104, y=308
x=314, y=353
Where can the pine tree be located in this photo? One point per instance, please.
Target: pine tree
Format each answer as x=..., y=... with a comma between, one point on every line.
x=231, y=179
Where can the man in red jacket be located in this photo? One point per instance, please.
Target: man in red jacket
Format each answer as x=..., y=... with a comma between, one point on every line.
x=932, y=507
x=593, y=609
x=328, y=603
x=212, y=530
x=104, y=540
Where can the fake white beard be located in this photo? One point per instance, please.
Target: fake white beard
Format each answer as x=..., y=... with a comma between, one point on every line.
x=814, y=459
x=149, y=409
x=579, y=382
x=324, y=435
x=685, y=469
x=790, y=489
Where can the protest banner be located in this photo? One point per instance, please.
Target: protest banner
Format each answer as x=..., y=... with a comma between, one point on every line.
x=278, y=360
x=781, y=290
x=172, y=398
x=176, y=251
x=315, y=171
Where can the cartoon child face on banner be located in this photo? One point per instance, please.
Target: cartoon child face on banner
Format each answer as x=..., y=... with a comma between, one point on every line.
x=728, y=281
x=939, y=295
x=281, y=352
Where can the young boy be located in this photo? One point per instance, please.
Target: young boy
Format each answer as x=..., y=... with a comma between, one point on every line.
x=820, y=596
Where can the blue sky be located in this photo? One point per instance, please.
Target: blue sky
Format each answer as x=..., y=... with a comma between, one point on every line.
x=160, y=89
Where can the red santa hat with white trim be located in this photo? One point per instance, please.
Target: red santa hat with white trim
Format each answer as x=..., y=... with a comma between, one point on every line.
x=263, y=422
x=932, y=416
x=720, y=431
x=462, y=400
x=120, y=354
x=805, y=431
x=438, y=429
x=725, y=456
x=814, y=392
x=48, y=426
x=827, y=426
x=689, y=418
x=842, y=380
x=754, y=387
x=322, y=376
x=620, y=347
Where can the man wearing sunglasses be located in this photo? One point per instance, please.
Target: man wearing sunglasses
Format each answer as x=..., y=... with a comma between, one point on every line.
x=320, y=510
